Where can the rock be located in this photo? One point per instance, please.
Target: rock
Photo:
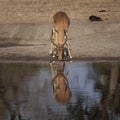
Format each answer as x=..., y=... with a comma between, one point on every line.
x=102, y=10
x=95, y=18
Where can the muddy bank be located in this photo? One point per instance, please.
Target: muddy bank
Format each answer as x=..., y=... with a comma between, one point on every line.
x=87, y=40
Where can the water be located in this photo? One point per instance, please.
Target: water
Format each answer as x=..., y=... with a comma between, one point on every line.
x=41, y=91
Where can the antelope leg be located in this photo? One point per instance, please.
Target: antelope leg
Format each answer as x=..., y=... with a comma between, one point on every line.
x=51, y=66
x=51, y=48
x=67, y=43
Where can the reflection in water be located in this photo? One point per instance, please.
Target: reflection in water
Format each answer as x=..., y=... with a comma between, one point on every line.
x=61, y=88
x=111, y=101
x=92, y=91
x=13, y=90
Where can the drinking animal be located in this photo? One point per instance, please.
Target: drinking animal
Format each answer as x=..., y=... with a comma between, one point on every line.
x=59, y=36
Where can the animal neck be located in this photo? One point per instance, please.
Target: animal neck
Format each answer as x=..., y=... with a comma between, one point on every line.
x=59, y=53
x=60, y=37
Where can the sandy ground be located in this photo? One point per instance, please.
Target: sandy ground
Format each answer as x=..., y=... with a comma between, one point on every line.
x=25, y=28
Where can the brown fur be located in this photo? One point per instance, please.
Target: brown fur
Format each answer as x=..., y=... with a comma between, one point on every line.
x=62, y=91
x=61, y=23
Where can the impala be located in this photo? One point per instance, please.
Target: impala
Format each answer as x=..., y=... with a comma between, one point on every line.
x=59, y=35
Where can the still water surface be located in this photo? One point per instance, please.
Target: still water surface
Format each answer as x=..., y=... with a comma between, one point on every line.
x=86, y=91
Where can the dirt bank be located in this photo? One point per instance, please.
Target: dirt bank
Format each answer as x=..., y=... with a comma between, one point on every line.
x=97, y=39
x=41, y=11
